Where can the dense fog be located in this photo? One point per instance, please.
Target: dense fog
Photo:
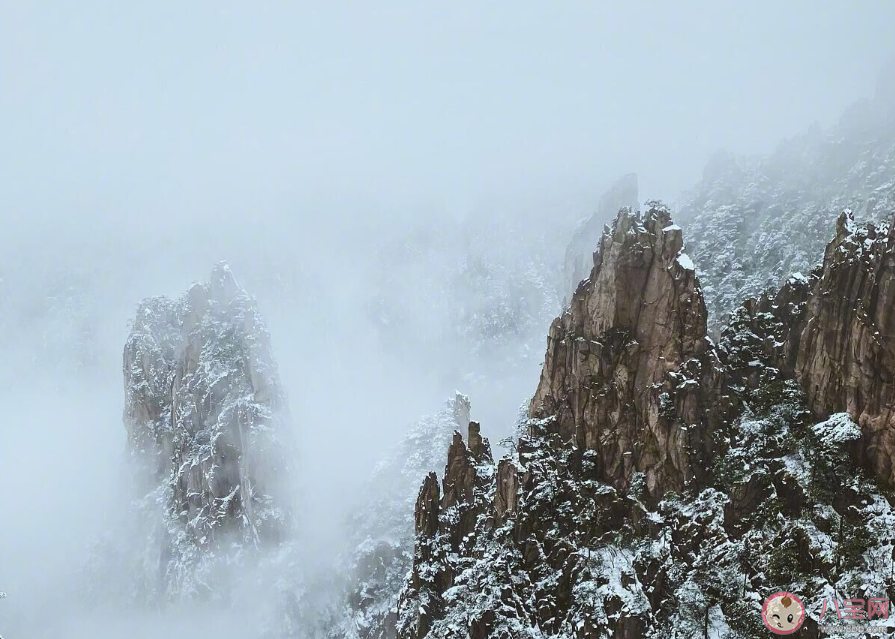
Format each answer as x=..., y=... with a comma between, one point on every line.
x=395, y=184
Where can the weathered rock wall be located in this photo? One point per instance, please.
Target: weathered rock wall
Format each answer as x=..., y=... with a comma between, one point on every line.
x=665, y=481
x=614, y=357
x=207, y=422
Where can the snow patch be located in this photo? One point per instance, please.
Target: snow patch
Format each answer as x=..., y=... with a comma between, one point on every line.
x=684, y=260
x=839, y=428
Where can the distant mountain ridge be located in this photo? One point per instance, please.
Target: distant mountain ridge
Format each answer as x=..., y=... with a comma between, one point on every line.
x=753, y=222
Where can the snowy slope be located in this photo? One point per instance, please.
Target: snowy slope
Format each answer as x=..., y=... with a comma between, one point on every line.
x=752, y=222
x=554, y=541
x=381, y=541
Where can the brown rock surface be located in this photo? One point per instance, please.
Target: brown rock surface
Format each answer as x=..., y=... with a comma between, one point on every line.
x=427, y=504
x=506, y=496
x=638, y=318
x=633, y=395
x=841, y=345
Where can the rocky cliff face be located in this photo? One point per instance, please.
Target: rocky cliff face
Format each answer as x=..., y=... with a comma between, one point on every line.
x=629, y=347
x=666, y=484
x=445, y=521
x=837, y=335
x=207, y=430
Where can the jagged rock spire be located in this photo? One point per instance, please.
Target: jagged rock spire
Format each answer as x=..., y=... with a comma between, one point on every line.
x=385, y=524
x=633, y=395
x=206, y=419
x=633, y=323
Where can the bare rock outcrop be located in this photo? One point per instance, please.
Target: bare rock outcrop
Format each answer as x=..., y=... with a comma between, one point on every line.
x=840, y=336
x=662, y=480
x=506, y=494
x=207, y=424
x=444, y=526
x=615, y=356
x=390, y=512
x=427, y=506
x=834, y=333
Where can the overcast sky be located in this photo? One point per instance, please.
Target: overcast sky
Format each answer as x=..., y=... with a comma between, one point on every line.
x=142, y=142
x=139, y=113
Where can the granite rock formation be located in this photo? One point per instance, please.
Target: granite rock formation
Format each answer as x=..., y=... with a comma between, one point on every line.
x=380, y=550
x=446, y=520
x=845, y=354
x=835, y=334
x=614, y=355
x=665, y=484
x=208, y=429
